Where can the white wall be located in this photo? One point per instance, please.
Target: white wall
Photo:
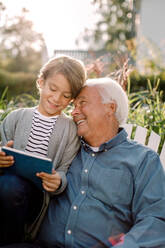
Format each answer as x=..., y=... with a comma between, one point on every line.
x=151, y=30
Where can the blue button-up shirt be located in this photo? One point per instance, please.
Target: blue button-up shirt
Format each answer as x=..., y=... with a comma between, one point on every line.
x=119, y=189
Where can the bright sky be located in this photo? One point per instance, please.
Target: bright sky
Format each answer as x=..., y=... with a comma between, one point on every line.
x=60, y=21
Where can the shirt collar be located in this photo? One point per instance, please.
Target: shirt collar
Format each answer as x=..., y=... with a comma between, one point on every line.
x=119, y=138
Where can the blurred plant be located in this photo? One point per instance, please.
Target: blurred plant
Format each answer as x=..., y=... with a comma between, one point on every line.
x=121, y=75
x=95, y=68
x=147, y=109
x=17, y=83
x=6, y=106
x=69, y=109
x=115, y=23
x=132, y=47
x=21, y=47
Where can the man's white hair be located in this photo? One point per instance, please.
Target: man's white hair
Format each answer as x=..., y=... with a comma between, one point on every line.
x=111, y=91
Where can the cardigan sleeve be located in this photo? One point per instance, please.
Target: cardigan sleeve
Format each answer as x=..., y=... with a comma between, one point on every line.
x=69, y=152
x=7, y=127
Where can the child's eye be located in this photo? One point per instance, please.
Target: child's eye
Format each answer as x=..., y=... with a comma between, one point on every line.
x=67, y=96
x=52, y=88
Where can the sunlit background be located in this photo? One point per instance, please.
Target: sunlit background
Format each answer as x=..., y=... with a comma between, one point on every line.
x=111, y=37
x=110, y=31
x=60, y=21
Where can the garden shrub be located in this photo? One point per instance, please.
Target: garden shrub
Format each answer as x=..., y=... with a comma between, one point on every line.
x=147, y=109
x=139, y=81
x=17, y=83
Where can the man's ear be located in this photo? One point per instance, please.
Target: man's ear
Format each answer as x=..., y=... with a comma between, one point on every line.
x=111, y=108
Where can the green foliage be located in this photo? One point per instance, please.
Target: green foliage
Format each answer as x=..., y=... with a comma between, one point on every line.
x=115, y=24
x=21, y=101
x=68, y=109
x=147, y=109
x=139, y=82
x=17, y=83
x=5, y=106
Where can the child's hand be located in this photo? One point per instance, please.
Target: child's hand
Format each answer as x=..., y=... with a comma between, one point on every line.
x=6, y=161
x=50, y=182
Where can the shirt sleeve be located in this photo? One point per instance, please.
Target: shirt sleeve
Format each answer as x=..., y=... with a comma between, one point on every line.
x=148, y=207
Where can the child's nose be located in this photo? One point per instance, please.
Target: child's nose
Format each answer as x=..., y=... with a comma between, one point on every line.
x=57, y=96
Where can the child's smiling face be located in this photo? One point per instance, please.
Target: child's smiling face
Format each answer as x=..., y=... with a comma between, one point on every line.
x=55, y=94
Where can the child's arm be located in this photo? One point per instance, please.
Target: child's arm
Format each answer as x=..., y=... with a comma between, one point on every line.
x=7, y=127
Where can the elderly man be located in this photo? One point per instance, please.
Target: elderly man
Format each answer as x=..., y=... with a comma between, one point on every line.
x=116, y=187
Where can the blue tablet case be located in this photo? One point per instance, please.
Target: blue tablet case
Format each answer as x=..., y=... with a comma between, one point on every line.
x=27, y=165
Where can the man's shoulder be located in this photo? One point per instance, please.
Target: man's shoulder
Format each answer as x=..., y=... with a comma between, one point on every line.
x=139, y=153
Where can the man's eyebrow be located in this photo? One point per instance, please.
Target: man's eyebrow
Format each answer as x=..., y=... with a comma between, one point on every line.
x=80, y=97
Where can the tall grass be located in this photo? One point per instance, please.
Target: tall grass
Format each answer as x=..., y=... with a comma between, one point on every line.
x=147, y=109
x=6, y=106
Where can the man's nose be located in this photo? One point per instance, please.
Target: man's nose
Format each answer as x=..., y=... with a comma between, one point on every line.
x=75, y=111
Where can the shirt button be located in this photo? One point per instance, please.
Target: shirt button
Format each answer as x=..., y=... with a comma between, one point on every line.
x=93, y=154
x=75, y=207
x=69, y=232
x=86, y=171
x=82, y=192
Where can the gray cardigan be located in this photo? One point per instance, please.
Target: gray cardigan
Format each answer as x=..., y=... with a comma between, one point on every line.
x=63, y=143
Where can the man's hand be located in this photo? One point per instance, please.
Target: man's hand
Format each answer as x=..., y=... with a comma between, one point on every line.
x=6, y=161
x=50, y=182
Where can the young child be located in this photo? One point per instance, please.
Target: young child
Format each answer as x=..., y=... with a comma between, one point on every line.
x=44, y=130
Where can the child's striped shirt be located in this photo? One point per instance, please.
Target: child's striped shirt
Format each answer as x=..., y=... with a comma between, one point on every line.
x=41, y=130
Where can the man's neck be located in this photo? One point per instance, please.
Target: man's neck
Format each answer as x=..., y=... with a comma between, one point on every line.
x=99, y=139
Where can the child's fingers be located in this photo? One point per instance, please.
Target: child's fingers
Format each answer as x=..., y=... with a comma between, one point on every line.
x=5, y=161
x=50, y=186
x=10, y=143
x=47, y=176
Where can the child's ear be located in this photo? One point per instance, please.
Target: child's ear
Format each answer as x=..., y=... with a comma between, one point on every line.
x=40, y=83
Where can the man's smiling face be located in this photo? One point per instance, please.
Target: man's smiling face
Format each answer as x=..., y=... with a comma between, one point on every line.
x=90, y=114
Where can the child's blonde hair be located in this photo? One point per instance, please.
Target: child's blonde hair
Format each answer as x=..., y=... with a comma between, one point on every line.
x=72, y=69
